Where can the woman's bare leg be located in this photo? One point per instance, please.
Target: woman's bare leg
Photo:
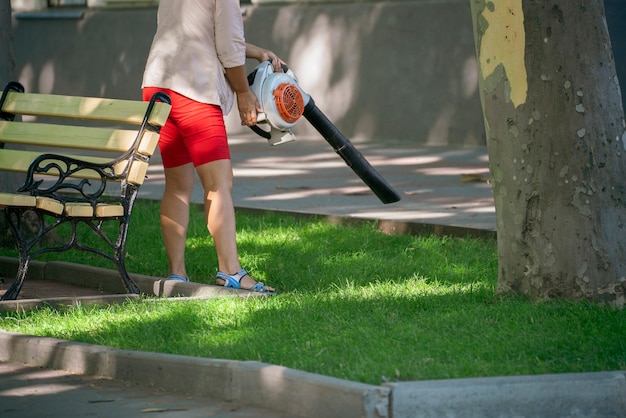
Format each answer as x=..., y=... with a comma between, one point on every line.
x=217, y=180
x=175, y=215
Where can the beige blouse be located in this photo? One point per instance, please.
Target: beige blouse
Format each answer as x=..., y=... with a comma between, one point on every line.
x=195, y=40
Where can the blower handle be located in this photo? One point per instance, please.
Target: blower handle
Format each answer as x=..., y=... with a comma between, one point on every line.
x=265, y=134
x=350, y=155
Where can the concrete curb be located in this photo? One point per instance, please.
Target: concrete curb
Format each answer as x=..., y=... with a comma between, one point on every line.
x=107, y=281
x=600, y=394
x=245, y=383
x=23, y=305
x=387, y=226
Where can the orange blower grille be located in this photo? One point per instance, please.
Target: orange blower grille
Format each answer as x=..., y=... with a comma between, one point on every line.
x=289, y=102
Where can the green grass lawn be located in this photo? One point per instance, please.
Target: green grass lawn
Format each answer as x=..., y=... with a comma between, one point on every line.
x=354, y=303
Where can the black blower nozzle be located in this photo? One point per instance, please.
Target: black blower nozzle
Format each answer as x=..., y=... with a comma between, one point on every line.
x=353, y=158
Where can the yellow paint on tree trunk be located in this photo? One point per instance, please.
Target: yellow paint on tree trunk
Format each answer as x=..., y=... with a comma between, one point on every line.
x=503, y=43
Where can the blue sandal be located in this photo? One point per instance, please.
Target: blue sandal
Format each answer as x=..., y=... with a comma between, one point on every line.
x=177, y=277
x=234, y=281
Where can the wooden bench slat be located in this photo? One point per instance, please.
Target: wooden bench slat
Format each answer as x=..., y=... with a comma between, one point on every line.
x=79, y=137
x=85, y=108
x=49, y=205
x=109, y=210
x=19, y=161
x=137, y=173
x=79, y=210
x=15, y=199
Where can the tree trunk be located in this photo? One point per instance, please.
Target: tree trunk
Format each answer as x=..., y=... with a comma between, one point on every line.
x=556, y=140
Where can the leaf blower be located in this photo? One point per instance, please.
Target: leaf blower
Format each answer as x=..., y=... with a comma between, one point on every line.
x=284, y=103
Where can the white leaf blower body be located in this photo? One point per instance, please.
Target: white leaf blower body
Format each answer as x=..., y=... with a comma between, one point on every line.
x=282, y=101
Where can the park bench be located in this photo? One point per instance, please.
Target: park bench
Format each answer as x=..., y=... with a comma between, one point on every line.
x=84, y=159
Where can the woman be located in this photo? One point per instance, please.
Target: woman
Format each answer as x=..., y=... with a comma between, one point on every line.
x=197, y=57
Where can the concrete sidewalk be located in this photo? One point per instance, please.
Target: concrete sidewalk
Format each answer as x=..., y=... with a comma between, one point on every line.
x=440, y=187
x=27, y=391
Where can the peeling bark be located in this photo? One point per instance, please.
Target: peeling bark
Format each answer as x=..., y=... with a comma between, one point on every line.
x=555, y=134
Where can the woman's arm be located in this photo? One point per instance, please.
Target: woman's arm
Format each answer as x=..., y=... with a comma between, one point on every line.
x=261, y=54
x=246, y=100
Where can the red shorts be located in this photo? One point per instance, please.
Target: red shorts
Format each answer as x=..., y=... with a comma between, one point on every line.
x=194, y=131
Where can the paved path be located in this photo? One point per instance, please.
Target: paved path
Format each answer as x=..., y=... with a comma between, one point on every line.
x=30, y=392
x=438, y=185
